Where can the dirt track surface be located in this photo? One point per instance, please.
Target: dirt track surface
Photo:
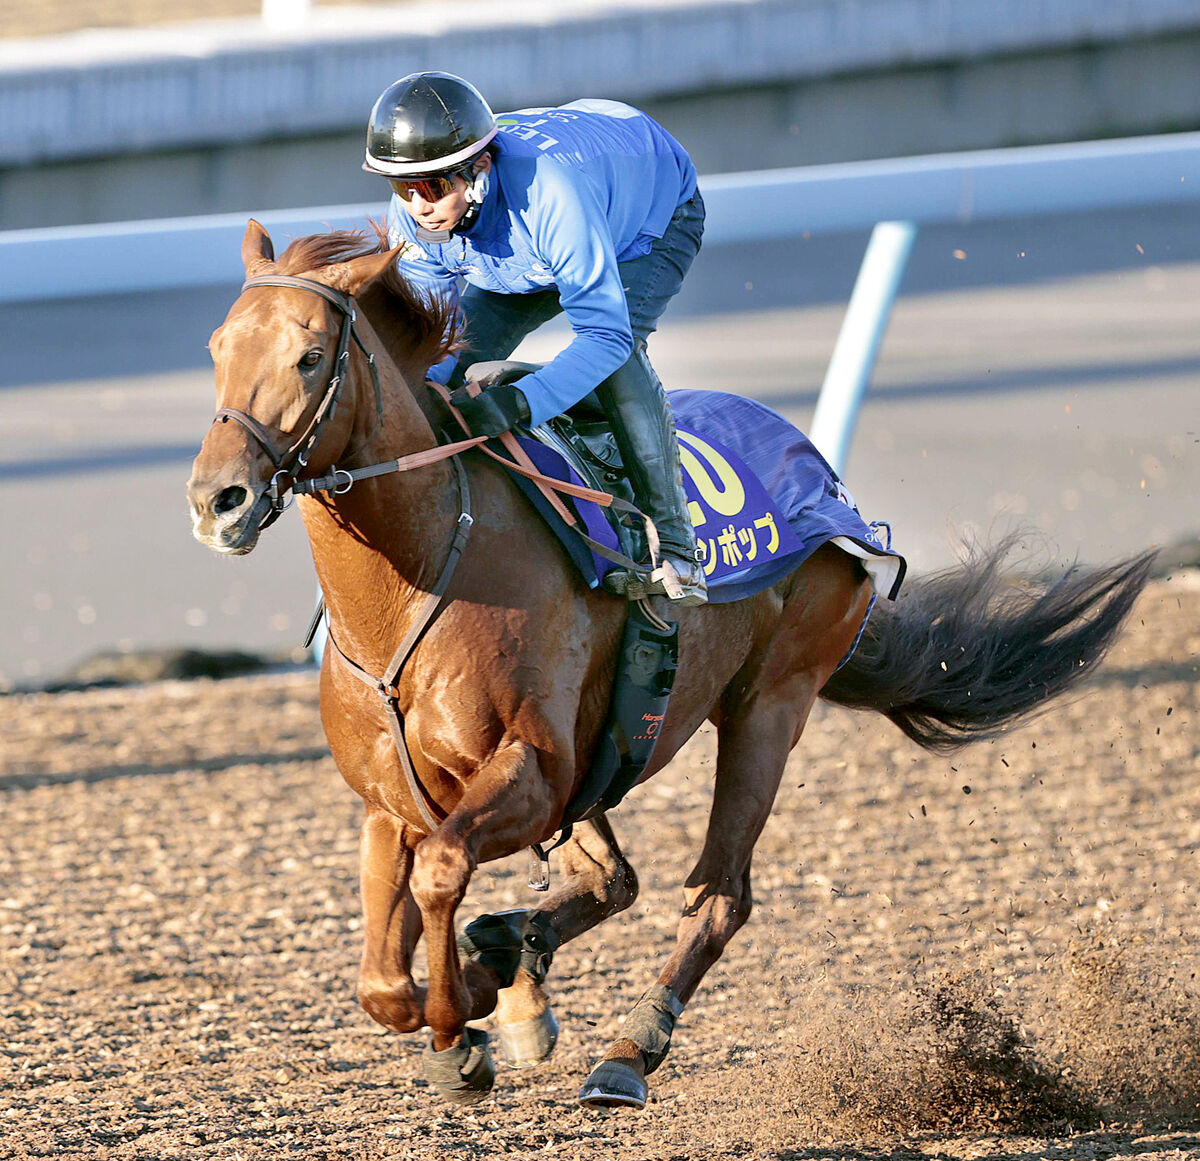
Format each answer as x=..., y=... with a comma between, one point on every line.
x=179, y=940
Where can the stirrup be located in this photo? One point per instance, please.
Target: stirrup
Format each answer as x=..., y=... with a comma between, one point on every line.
x=682, y=582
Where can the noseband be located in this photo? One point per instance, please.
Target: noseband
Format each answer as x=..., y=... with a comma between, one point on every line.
x=292, y=462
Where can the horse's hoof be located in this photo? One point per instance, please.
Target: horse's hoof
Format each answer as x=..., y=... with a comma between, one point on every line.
x=529, y=1042
x=463, y=1073
x=614, y=1084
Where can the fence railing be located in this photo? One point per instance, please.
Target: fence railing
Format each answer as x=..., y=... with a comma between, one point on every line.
x=893, y=198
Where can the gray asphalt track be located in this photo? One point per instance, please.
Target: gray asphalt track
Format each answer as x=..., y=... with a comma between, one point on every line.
x=1037, y=371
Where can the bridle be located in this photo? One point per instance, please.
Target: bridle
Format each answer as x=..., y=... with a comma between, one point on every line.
x=291, y=463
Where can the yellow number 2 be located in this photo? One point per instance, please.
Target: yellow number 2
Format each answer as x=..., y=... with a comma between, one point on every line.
x=725, y=493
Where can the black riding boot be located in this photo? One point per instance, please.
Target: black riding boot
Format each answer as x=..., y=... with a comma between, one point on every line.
x=636, y=406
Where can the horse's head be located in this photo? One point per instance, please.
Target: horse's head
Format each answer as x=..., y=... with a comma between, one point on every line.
x=290, y=393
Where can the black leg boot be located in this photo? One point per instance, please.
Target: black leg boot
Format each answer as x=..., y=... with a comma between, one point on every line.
x=637, y=408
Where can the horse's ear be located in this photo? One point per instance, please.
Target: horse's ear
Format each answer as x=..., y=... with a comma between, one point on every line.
x=257, y=250
x=350, y=277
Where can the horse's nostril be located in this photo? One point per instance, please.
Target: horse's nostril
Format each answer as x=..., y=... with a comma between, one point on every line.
x=228, y=499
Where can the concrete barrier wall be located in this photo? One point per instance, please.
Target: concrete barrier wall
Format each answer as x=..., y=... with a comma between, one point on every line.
x=220, y=116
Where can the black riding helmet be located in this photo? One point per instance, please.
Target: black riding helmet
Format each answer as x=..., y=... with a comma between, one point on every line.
x=425, y=124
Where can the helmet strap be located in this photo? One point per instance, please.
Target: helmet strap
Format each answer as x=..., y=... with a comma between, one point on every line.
x=475, y=193
x=464, y=224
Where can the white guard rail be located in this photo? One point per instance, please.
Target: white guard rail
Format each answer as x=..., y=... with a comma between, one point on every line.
x=899, y=195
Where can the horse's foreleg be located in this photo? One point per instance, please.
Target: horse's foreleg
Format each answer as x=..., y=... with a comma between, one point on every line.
x=391, y=922
x=717, y=900
x=506, y=804
x=599, y=883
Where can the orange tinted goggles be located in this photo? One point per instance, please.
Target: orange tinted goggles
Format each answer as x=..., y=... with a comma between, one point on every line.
x=431, y=189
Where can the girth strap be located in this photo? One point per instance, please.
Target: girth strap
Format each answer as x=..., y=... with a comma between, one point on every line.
x=386, y=686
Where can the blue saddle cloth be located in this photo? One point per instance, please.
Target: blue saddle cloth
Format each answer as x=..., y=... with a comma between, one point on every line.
x=762, y=499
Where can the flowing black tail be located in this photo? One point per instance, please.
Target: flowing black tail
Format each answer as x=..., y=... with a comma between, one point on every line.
x=966, y=652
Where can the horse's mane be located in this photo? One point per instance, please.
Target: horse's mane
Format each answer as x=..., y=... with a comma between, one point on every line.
x=412, y=324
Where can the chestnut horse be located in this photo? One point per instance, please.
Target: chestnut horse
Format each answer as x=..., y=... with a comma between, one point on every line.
x=504, y=696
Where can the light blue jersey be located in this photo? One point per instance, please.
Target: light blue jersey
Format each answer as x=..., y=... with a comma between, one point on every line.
x=572, y=192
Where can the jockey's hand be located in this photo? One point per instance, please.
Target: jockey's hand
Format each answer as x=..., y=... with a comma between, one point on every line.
x=494, y=410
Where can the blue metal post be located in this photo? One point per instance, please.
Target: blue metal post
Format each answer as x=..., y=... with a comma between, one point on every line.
x=858, y=342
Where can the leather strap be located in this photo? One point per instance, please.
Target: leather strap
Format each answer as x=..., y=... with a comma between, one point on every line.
x=386, y=686
x=549, y=486
x=342, y=479
x=255, y=428
x=343, y=302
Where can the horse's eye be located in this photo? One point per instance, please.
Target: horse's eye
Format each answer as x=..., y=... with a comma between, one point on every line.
x=310, y=359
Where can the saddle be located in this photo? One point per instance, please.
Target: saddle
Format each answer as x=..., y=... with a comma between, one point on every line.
x=761, y=497
x=584, y=438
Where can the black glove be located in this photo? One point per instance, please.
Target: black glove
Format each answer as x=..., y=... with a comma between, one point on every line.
x=499, y=406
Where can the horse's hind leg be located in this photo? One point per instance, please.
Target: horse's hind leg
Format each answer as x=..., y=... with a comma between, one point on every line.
x=717, y=902
x=760, y=721
x=392, y=925
x=599, y=883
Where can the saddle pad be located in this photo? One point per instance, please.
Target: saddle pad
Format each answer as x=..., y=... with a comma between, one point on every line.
x=762, y=500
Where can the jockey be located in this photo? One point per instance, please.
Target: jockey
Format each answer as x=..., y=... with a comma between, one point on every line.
x=591, y=209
